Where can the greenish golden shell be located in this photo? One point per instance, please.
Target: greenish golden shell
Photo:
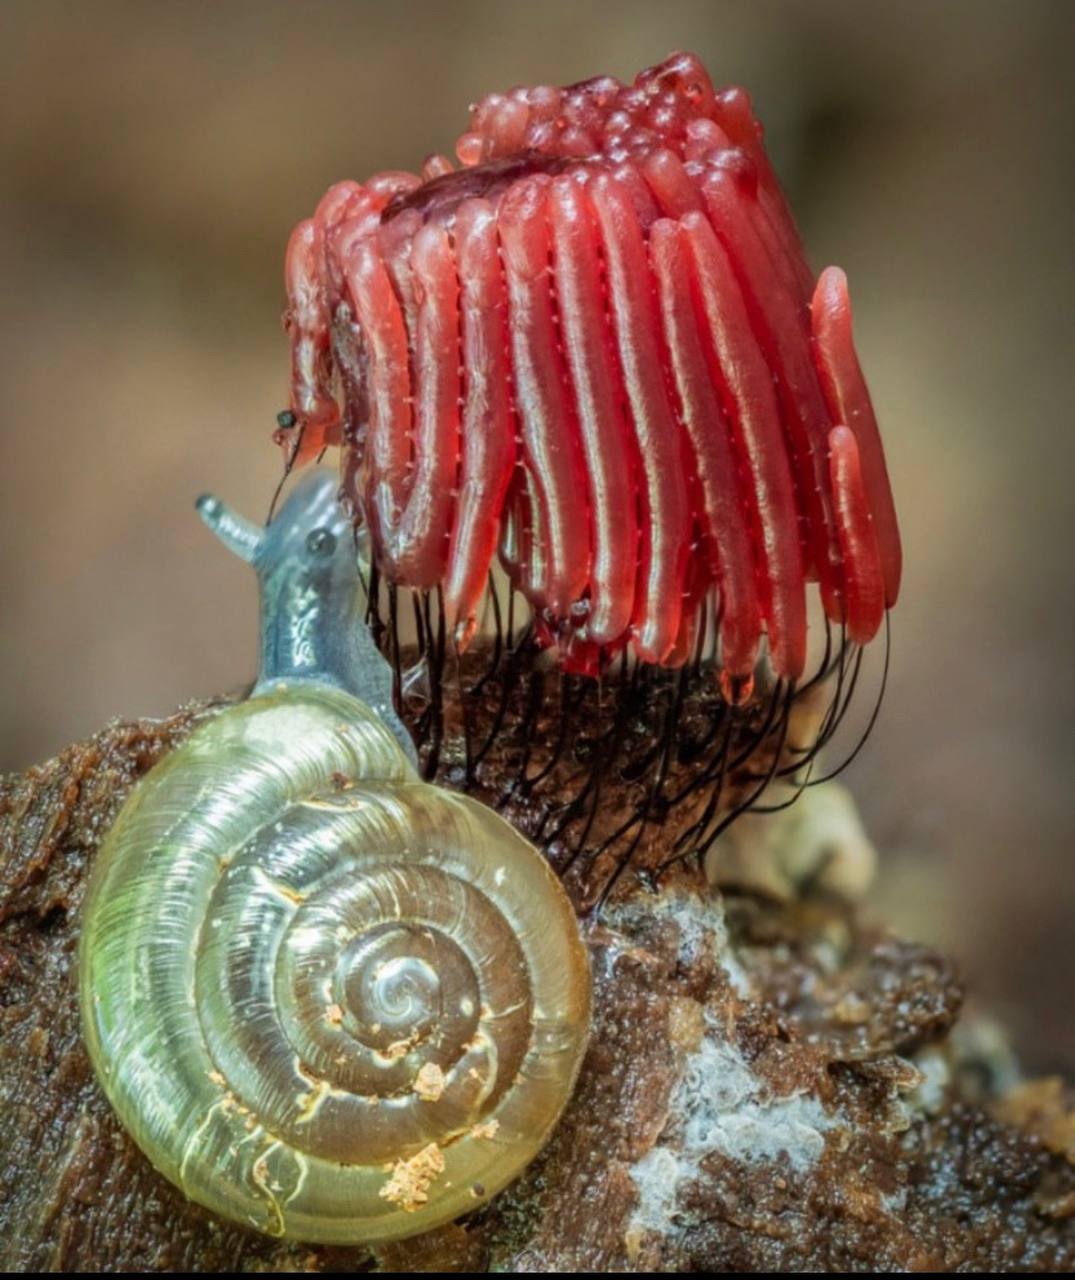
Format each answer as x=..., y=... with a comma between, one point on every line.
x=328, y=1000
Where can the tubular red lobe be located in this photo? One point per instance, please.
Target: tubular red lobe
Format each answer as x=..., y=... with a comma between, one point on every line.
x=734, y=113
x=395, y=241
x=307, y=322
x=488, y=435
x=593, y=347
x=631, y=183
x=724, y=515
x=849, y=403
x=779, y=328
x=865, y=577
x=606, y=440
x=341, y=201
x=740, y=371
x=670, y=184
x=312, y=279
x=421, y=542
x=389, y=388
x=667, y=519
x=550, y=440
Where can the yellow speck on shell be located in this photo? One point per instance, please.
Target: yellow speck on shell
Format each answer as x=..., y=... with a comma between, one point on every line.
x=408, y=1187
x=429, y=1082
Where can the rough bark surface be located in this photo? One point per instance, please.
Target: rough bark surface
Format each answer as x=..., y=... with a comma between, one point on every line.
x=770, y=1086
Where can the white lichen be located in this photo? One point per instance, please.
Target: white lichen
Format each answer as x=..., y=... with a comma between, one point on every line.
x=720, y=1105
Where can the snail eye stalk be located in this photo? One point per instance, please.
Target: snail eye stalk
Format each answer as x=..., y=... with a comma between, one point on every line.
x=592, y=366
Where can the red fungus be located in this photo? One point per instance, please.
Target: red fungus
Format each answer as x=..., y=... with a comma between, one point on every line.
x=594, y=348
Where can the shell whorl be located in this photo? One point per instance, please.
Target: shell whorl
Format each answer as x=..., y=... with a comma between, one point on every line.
x=327, y=999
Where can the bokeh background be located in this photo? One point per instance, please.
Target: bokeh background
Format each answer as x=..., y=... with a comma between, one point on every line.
x=153, y=158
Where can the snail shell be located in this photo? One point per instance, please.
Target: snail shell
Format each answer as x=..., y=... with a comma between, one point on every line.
x=327, y=999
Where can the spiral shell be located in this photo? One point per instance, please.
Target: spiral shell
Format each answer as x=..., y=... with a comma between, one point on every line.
x=327, y=1000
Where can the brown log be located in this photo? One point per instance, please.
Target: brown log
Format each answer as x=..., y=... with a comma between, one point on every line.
x=770, y=1086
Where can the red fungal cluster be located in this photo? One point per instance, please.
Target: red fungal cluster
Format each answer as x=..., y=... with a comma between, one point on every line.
x=597, y=350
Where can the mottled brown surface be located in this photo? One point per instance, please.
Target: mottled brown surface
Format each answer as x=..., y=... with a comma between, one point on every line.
x=820, y=1024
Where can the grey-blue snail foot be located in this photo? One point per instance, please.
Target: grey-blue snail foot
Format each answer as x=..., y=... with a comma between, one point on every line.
x=769, y=1085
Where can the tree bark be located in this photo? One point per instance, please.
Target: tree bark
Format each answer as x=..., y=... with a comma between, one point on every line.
x=771, y=1085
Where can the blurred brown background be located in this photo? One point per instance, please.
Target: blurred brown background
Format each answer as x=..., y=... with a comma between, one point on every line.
x=154, y=158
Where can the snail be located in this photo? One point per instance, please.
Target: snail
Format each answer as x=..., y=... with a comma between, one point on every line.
x=327, y=1000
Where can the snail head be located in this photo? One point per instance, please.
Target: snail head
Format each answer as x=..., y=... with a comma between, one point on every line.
x=310, y=537
x=309, y=571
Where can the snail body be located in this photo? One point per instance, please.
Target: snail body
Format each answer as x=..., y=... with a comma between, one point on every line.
x=327, y=999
